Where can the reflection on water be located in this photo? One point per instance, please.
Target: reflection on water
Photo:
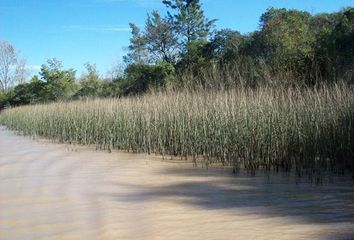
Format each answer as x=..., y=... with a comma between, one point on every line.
x=52, y=191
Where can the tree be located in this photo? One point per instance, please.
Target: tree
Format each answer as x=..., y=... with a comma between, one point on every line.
x=37, y=88
x=90, y=82
x=115, y=71
x=322, y=25
x=111, y=88
x=3, y=100
x=12, y=68
x=21, y=71
x=60, y=84
x=24, y=93
x=334, y=45
x=225, y=45
x=343, y=39
x=188, y=20
x=138, y=52
x=21, y=95
x=162, y=41
x=287, y=39
x=195, y=55
x=140, y=78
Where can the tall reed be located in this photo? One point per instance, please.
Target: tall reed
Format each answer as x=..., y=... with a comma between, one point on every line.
x=308, y=130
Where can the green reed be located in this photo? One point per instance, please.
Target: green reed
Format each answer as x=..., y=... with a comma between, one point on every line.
x=306, y=130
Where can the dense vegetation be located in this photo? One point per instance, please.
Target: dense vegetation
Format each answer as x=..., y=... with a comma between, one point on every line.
x=310, y=131
x=183, y=49
x=281, y=97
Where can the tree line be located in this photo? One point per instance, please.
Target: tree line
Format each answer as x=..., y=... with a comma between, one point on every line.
x=182, y=48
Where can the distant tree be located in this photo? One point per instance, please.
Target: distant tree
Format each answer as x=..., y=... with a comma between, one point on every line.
x=60, y=83
x=334, y=45
x=192, y=29
x=138, y=52
x=25, y=93
x=90, y=82
x=115, y=71
x=37, y=88
x=8, y=59
x=12, y=68
x=343, y=39
x=286, y=39
x=188, y=20
x=140, y=78
x=21, y=71
x=3, y=100
x=225, y=45
x=21, y=95
x=322, y=25
x=195, y=55
x=111, y=88
x=162, y=41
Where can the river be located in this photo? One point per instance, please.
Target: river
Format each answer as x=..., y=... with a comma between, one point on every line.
x=57, y=191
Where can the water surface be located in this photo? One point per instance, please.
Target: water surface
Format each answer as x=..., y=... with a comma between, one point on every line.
x=55, y=191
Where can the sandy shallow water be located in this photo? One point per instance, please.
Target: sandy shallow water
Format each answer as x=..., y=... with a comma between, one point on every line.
x=54, y=191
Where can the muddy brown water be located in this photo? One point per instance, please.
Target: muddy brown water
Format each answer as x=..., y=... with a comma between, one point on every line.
x=55, y=191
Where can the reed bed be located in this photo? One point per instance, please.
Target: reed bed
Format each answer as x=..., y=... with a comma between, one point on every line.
x=309, y=131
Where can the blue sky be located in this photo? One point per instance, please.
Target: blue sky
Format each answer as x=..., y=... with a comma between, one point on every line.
x=96, y=31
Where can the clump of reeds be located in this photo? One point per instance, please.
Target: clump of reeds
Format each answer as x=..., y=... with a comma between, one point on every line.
x=307, y=130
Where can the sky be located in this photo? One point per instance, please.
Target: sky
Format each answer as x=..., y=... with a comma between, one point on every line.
x=97, y=31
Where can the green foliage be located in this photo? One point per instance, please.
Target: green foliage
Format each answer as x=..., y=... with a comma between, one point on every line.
x=55, y=84
x=138, y=52
x=60, y=84
x=25, y=93
x=3, y=100
x=189, y=20
x=291, y=45
x=286, y=39
x=162, y=41
x=225, y=45
x=343, y=38
x=194, y=56
x=291, y=48
x=90, y=83
x=140, y=78
x=175, y=37
x=334, y=48
x=111, y=88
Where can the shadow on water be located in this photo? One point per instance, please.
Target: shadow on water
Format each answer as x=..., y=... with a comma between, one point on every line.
x=268, y=196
